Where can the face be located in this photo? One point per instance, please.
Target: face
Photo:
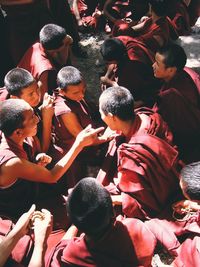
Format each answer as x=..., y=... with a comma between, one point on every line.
x=75, y=92
x=31, y=94
x=60, y=55
x=159, y=68
x=30, y=123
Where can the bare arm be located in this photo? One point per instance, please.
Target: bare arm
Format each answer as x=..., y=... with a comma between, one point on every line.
x=47, y=114
x=71, y=123
x=17, y=167
x=76, y=12
x=19, y=230
x=42, y=230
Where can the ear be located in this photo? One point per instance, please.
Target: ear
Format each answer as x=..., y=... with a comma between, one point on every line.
x=18, y=132
x=172, y=70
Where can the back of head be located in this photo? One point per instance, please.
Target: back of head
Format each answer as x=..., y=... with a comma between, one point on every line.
x=51, y=36
x=69, y=76
x=190, y=180
x=113, y=49
x=159, y=7
x=174, y=56
x=90, y=206
x=119, y=102
x=16, y=80
x=11, y=115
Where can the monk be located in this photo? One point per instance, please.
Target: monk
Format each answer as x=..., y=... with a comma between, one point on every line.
x=180, y=233
x=106, y=240
x=128, y=64
x=21, y=169
x=72, y=115
x=178, y=100
x=46, y=57
x=125, y=10
x=154, y=31
x=141, y=165
x=89, y=15
x=20, y=84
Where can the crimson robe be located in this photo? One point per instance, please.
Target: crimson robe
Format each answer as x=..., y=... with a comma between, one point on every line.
x=172, y=233
x=149, y=168
x=36, y=62
x=179, y=105
x=18, y=197
x=179, y=16
x=125, y=243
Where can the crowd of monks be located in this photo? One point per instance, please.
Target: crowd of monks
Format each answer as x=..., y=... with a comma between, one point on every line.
x=143, y=136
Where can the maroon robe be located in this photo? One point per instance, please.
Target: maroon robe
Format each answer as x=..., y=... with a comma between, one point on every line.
x=18, y=197
x=179, y=105
x=171, y=232
x=148, y=167
x=36, y=62
x=130, y=72
x=178, y=13
x=162, y=28
x=125, y=243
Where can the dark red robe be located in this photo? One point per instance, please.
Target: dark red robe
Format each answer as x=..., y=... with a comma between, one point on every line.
x=179, y=105
x=126, y=243
x=149, y=169
x=36, y=62
x=178, y=13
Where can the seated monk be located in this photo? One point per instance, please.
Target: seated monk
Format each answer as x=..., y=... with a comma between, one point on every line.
x=178, y=101
x=141, y=166
x=128, y=64
x=21, y=169
x=89, y=15
x=72, y=115
x=105, y=240
x=19, y=83
x=179, y=232
x=46, y=57
x=154, y=32
x=117, y=10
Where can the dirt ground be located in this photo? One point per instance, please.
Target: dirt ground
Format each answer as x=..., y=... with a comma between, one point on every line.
x=93, y=66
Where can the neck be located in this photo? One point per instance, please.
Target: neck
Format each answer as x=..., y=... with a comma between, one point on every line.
x=170, y=77
x=130, y=126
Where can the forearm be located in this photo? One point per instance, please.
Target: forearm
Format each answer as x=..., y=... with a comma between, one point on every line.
x=76, y=12
x=7, y=245
x=37, y=259
x=106, y=8
x=46, y=134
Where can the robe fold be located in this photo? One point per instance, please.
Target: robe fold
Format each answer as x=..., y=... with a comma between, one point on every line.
x=147, y=168
x=126, y=243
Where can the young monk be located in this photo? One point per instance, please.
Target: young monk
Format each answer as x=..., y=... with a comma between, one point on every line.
x=178, y=100
x=20, y=172
x=106, y=240
x=180, y=233
x=89, y=14
x=141, y=166
x=19, y=83
x=46, y=57
x=128, y=64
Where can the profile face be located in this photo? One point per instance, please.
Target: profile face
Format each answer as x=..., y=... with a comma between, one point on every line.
x=30, y=123
x=159, y=69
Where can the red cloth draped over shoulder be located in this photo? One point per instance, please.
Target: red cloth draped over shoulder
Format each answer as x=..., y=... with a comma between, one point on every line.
x=148, y=167
x=179, y=105
x=126, y=243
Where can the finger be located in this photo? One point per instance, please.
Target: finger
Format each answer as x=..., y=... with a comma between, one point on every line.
x=31, y=210
x=98, y=130
x=88, y=127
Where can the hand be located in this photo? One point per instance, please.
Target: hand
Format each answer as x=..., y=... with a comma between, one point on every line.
x=22, y=225
x=183, y=206
x=47, y=106
x=88, y=136
x=106, y=81
x=43, y=159
x=106, y=136
x=42, y=226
